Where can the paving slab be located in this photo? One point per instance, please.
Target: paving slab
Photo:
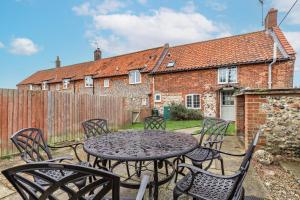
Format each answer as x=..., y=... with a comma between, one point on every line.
x=4, y=191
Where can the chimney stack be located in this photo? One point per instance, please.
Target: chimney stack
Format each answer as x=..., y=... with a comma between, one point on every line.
x=97, y=54
x=57, y=62
x=271, y=19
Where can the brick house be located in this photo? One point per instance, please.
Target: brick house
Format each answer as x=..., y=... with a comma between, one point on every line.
x=202, y=75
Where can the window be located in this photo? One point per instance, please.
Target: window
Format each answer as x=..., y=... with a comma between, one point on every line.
x=227, y=75
x=157, y=98
x=227, y=98
x=45, y=85
x=134, y=77
x=58, y=86
x=89, y=82
x=106, y=83
x=30, y=87
x=193, y=101
x=66, y=83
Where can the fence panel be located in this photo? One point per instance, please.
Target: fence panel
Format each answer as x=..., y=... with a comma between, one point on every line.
x=58, y=114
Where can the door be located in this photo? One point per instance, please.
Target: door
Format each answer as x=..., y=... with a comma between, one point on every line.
x=167, y=112
x=227, y=105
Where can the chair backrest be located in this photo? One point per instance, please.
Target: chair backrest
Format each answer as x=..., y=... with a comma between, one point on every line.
x=213, y=130
x=154, y=123
x=95, y=127
x=32, y=145
x=98, y=183
x=245, y=164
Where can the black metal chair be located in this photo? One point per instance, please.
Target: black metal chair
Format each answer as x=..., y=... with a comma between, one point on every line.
x=154, y=123
x=201, y=184
x=102, y=184
x=33, y=148
x=95, y=127
x=214, y=130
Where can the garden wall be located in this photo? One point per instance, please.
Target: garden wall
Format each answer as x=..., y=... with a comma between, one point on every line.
x=275, y=110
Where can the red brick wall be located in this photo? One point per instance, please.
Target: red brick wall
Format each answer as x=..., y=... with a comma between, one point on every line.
x=203, y=81
x=254, y=116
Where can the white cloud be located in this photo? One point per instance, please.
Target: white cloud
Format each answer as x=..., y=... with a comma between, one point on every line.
x=23, y=46
x=284, y=6
x=293, y=38
x=107, y=6
x=142, y=1
x=1, y=45
x=189, y=7
x=130, y=32
x=215, y=5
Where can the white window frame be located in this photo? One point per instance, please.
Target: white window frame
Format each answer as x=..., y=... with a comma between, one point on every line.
x=157, y=100
x=45, y=85
x=30, y=87
x=227, y=75
x=57, y=87
x=66, y=83
x=136, y=73
x=192, y=95
x=88, y=81
x=106, y=83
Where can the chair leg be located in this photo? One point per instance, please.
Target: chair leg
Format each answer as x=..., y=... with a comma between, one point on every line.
x=176, y=194
x=127, y=169
x=176, y=172
x=222, y=165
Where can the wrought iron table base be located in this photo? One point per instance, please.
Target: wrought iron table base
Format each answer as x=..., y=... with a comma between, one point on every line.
x=157, y=164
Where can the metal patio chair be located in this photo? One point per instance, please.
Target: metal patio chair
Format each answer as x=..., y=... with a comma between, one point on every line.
x=154, y=123
x=93, y=128
x=33, y=148
x=102, y=184
x=211, y=139
x=204, y=185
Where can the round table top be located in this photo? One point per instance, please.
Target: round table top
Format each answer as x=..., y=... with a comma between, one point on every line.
x=140, y=145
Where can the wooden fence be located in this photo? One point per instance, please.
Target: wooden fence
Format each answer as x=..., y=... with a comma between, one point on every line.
x=58, y=114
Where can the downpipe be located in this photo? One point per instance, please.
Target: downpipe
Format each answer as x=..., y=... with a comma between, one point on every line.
x=271, y=64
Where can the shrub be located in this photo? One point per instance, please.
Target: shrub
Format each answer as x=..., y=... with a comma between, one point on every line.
x=180, y=112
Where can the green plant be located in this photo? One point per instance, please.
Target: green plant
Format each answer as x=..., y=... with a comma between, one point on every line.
x=180, y=112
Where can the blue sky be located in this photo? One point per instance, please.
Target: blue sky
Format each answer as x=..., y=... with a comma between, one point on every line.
x=34, y=32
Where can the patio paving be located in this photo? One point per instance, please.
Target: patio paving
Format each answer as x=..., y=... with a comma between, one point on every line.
x=253, y=185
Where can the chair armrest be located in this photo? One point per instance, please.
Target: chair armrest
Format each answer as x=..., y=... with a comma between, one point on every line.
x=74, y=146
x=59, y=159
x=226, y=153
x=143, y=187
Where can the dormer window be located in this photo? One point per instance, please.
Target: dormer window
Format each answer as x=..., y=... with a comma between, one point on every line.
x=30, y=87
x=171, y=64
x=45, y=85
x=66, y=83
x=134, y=77
x=89, y=82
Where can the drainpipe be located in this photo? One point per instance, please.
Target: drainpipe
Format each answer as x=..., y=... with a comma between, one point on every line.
x=270, y=65
x=153, y=91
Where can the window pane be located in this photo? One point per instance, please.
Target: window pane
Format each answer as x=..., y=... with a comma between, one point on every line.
x=137, y=77
x=222, y=75
x=196, y=101
x=131, y=77
x=227, y=98
x=232, y=75
x=189, y=101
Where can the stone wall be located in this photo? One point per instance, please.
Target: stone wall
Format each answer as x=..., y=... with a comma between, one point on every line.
x=209, y=104
x=277, y=111
x=282, y=127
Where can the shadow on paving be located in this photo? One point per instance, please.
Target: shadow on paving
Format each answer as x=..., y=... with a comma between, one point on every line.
x=253, y=185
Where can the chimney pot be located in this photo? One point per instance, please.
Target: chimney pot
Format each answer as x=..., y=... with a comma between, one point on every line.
x=97, y=54
x=271, y=19
x=57, y=62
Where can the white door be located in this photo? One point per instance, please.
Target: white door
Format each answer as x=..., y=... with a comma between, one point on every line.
x=227, y=105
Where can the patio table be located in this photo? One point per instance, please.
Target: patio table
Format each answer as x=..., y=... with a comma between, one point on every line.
x=147, y=145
